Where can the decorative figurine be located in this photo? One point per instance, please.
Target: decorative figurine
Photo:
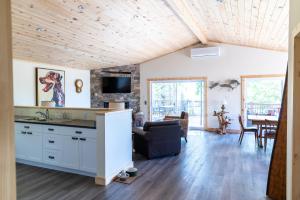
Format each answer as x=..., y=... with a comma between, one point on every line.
x=224, y=121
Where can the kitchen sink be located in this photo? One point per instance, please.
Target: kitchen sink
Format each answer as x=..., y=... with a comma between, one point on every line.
x=43, y=120
x=47, y=120
x=35, y=119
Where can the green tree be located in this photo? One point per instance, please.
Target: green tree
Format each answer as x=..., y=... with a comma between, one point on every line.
x=264, y=91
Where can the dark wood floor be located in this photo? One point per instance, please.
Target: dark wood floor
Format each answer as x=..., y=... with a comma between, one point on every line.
x=210, y=167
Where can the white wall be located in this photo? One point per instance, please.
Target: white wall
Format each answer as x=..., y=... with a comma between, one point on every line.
x=24, y=84
x=293, y=137
x=233, y=62
x=114, y=149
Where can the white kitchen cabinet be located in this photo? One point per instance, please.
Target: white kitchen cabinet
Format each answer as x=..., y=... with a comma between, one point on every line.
x=29, y=145
x=52, y=157
x=35, y=146
x=70, y=152
x=21, y=144
x=87, y=157
x=67, y=147
x=53, y=141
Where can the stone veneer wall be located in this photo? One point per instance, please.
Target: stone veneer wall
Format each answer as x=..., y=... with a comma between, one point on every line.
x=98, y=98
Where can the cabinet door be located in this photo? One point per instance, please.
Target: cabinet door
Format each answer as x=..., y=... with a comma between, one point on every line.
x=70, y=152
x=87, y=151
x=34, y=146
x=21, y=144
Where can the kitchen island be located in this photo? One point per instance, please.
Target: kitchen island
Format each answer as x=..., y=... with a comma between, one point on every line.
x=96, y=148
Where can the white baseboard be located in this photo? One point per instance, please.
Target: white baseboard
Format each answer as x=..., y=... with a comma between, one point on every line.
x=228, y=130
x=53, y=167
x=107, y=180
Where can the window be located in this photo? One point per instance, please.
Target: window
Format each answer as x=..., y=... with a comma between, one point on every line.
x=171, y=97
x=262, y=97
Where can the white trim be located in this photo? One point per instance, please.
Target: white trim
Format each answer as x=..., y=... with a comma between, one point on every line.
x=53, y=167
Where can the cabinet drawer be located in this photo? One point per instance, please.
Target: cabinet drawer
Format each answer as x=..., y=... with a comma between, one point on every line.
x=52, y=157
x=84, y=132
x=53, y=141
x=54, y=129
x=28, y=127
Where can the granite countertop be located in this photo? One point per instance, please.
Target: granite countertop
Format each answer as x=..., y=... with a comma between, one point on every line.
x=58, y=122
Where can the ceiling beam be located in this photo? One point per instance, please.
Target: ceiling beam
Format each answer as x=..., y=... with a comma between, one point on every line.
x=181, y=10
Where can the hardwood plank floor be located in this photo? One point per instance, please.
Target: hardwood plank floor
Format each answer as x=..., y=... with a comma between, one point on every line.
x=210, y=167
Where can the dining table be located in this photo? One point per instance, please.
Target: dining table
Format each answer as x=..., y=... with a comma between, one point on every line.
x=260, y=121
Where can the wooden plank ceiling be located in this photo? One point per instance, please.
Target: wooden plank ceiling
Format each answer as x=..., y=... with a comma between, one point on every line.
x=92, y=34
x=255, y=23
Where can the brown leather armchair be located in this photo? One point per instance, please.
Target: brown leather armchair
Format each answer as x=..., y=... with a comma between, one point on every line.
x=184, y=122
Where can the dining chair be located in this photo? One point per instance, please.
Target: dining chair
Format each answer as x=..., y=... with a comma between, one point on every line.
x=270, y=130
x=244, y=130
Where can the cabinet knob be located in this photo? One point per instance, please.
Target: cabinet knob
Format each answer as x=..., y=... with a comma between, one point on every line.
x=83, y=139
x=30, y=133
x=27, y=127
x=51, y=141
x=74, y=138
x=23, y=132
x=78, y=132
x=50, y=129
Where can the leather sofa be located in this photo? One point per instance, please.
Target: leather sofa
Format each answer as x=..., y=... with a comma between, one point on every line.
x=158, y=139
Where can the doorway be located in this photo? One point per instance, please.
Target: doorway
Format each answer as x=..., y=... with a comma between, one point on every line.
x=261, y=96
x=172, y=96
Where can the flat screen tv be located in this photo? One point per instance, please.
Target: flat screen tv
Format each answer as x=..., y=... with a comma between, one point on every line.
x=116, y=84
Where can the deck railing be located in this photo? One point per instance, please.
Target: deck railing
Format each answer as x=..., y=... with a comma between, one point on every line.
x=261, y=110
x=161, y=108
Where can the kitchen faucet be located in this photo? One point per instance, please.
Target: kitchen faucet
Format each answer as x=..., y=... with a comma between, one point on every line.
x=45, y=115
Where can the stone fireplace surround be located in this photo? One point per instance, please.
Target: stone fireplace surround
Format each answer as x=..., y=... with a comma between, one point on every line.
x=98, y=99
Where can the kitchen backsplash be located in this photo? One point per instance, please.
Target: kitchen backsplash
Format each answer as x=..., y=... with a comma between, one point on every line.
x=60, y=113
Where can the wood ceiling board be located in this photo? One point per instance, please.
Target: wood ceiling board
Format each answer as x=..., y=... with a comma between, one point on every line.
x=95, y=34
x=67, y=33
x=119, y=32
x=255, y=23
x=181, y=9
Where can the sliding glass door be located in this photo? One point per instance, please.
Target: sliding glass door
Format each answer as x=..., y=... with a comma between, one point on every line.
x=261, y=97
x=171, y=97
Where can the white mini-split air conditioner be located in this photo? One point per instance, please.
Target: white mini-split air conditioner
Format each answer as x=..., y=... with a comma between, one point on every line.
x=205, y=51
